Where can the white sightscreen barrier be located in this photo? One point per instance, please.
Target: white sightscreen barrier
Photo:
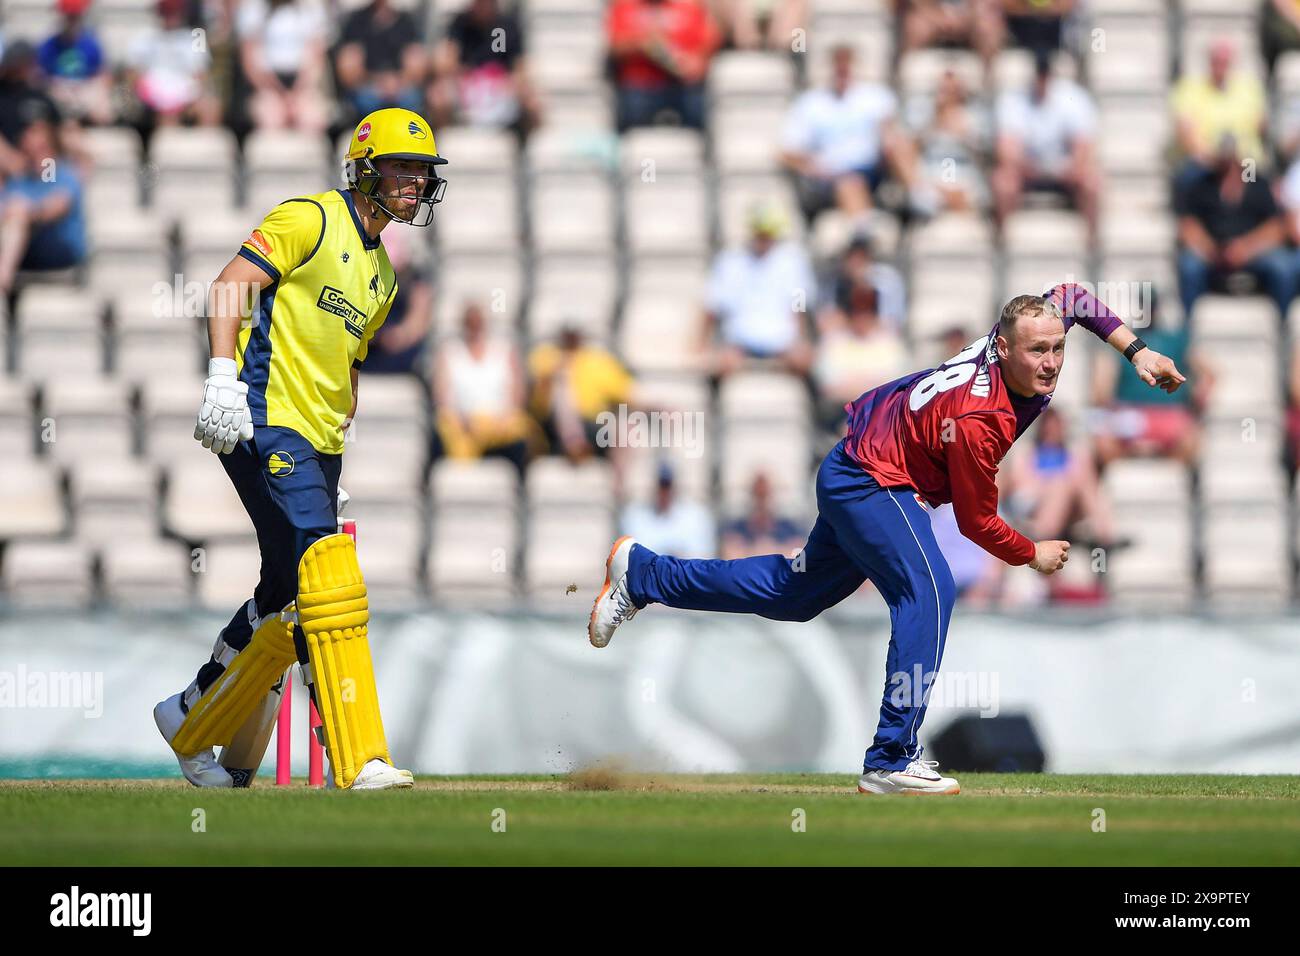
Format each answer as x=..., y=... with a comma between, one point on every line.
x=478, y=693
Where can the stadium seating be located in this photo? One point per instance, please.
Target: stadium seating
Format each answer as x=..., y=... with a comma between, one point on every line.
x=108, y=496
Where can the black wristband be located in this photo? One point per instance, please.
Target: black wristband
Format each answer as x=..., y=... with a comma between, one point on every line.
x=1134, y=347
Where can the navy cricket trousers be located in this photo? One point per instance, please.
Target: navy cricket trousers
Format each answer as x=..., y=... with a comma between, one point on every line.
x=290, y=491
x=862, y=531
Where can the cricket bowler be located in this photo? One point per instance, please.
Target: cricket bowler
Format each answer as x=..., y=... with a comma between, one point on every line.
x=925, y=439
x=316, y=284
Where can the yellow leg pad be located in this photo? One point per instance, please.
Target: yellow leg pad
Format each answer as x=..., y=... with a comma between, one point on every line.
x=334, y=615
x=225, y=706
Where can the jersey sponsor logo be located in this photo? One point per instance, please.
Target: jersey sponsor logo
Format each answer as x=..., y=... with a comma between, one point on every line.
x=258, y=242
x=982, y=383
x=336, y=303
x=363, y=133
x=280, y=464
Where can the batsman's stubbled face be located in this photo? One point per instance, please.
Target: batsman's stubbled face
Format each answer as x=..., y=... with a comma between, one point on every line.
x=403, y=182
x=1031, y=354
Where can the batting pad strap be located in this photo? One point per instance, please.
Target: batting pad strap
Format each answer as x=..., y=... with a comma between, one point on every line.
x=216, y=716
x=335, y=614
x=223, y=653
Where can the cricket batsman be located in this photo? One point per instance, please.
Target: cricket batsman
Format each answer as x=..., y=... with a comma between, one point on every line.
x=926, y=439
x=316, y=284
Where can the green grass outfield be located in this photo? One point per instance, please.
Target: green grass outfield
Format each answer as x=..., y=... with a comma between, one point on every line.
x=608, y=817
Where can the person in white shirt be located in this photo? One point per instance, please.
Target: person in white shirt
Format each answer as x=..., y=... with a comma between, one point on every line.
x=758, y=298
x=841, y=139
x=282, y=54
x=170, y=73
x=672, y=522
x=1045, y=141
x=478, y=395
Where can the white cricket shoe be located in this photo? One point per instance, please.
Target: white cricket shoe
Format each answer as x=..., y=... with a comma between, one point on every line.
x=200, y=769
x=377, y=775
x=613, y=604
x=918, y=777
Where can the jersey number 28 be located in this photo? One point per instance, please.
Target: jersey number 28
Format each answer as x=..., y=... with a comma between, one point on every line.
x=958, y=370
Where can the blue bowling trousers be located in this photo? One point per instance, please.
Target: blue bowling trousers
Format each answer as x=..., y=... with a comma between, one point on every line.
x=863, y=531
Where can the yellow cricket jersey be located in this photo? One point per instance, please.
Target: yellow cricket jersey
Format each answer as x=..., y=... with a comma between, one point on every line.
x=331, y=289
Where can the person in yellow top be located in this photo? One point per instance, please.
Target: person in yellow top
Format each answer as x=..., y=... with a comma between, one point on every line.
x=290, y=322
x=574, y=382
x=1224, y=102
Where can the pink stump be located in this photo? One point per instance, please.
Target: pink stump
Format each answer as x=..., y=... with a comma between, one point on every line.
x=284, y=734
x=315, y=763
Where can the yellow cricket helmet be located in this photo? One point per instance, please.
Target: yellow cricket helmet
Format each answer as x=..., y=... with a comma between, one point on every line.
x=395, y=134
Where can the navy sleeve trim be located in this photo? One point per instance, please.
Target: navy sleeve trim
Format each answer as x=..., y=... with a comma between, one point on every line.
x=261, y=263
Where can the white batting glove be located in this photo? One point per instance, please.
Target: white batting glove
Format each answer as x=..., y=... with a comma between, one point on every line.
x=343, y=499
x=224, y=418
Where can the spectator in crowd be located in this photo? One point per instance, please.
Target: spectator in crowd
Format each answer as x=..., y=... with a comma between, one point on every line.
x=955, y=338
x=380, y=60
x=853, y=356
x=171, y=73
x=73, y=64
x=478, y=395
x=1229, y=222
x=859, y=268
x=1037, y=25
x=1226, y=102
x=660, y=52
x=762, y=24
x=1139, y=422
x=399, y=345
x=839, y=141
x=42, y=223
x=1045, y=142
x=976, y=573
x=1054, y=484
x=282, y=54
x=758, y=297
x=969, y=24
x=23, y=101
x=671, y=522
x=1279, y=29
x=481, y=74
x=948, y=343
x=762, y=529
x=952, y=135
x=573, y=383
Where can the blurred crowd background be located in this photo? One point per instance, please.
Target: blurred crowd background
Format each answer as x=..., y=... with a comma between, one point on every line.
x=716, y=221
